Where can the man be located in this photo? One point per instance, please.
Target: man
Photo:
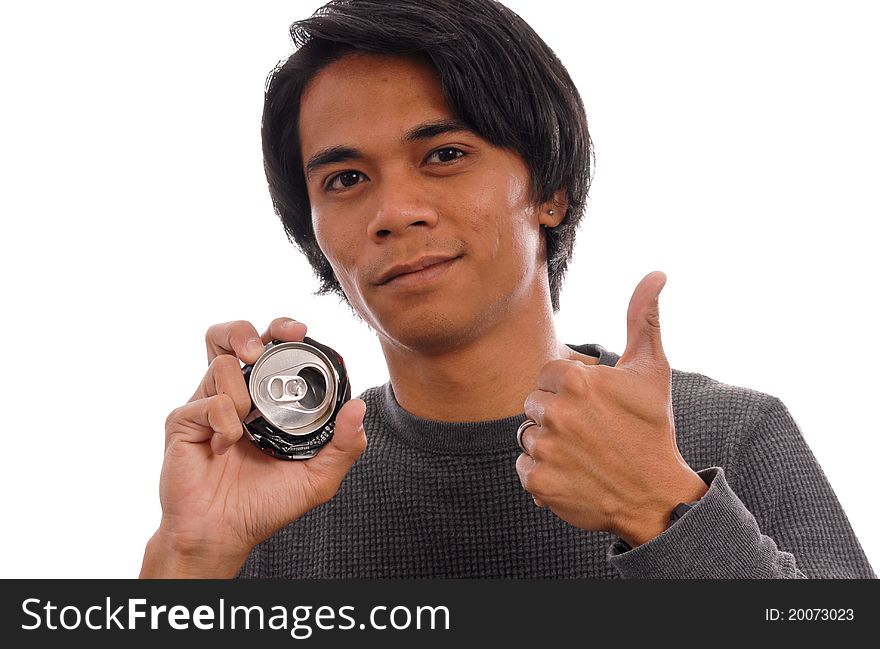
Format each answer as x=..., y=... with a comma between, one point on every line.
x=432, y=160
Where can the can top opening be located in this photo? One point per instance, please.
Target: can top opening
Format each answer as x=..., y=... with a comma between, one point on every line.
x=294, y=386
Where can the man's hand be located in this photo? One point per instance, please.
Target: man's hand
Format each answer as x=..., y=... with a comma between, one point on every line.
x=604, y=455
x=220, y=494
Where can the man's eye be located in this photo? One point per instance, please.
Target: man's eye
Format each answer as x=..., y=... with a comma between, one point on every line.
x=344, y=180
x=446, y=154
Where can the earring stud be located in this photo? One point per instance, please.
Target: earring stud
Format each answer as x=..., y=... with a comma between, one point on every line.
x=550, y=212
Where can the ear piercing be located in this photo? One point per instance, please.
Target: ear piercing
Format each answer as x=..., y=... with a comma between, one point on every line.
x=550, y=212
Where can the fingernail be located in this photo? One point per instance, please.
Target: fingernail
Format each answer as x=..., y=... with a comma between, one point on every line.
x=254, y=345
x=289, y=324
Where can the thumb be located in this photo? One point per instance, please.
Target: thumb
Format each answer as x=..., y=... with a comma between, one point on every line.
x=348, y=436
x=347, y=443
x=644, y=346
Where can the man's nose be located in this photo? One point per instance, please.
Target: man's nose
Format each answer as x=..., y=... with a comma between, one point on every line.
x=401, y=206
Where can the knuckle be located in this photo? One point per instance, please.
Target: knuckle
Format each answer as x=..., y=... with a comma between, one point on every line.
x=241, y=330
x=236, y=325
x=542, y=447
x=536, y=481
x=222, y=404
x=550, y=368
x=172, y=419
x=525, y=480
x=211, y=332
x=223, y=415
x=534, y=405
x=531, y=476
x=550, y=418
x=226, y=375
x=216, y=330
x=574, y=379
x=603, y=371
x=536, y=447
x=280, y=329
x=601, y=377
x=225, y=364
x=234, y=331
x=277, y=323
x=522, y=468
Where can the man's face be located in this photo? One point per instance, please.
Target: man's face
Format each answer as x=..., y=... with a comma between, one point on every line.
x=429, y=228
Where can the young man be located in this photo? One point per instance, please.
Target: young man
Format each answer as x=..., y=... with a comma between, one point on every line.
x=431, y=159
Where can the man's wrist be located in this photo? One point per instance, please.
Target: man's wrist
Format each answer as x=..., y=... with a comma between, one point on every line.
x=168, y=557
x=653, y=521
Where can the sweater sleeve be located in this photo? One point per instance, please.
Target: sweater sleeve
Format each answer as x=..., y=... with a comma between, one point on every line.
x=783, y=522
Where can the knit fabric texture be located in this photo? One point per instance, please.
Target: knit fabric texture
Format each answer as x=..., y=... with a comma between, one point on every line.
x=431, y=499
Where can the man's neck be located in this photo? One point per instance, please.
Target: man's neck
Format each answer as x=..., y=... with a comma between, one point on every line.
x=486, y=378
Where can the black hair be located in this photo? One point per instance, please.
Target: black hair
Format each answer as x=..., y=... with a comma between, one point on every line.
x=498, y=77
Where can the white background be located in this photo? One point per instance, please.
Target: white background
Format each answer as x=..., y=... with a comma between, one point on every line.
x=737, y=151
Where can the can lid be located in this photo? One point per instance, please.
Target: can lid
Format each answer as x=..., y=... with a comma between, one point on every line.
x=294, y=385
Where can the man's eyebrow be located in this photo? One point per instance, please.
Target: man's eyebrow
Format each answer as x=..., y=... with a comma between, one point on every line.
x=330, y=156
x=433, y=129
x=334, y=154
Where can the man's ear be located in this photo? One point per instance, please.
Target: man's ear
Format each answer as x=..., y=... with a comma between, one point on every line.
x=553, y=211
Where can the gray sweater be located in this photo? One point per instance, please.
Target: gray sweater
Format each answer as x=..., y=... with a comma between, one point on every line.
x=443, y=500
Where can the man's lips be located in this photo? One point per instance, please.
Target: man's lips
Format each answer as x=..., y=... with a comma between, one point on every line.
x=424, y=266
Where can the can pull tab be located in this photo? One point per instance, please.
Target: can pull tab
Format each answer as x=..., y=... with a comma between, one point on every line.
x=287, y=389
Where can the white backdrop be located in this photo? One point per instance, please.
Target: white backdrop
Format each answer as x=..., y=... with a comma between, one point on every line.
x=737, y=151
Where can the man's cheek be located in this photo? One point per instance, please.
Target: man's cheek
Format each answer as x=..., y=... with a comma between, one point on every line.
x=351, y=286
x=336, y=248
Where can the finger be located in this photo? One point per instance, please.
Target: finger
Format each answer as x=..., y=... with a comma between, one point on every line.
x=346, y=445
x=211, y=419
x=644, y=347
x=536, y=405
x=285, y=329
x=551, y=373
x=238, y=338
x=224, y=377
x=536, y=408
x=349, y=437
x=563, y=375
x=524, y=466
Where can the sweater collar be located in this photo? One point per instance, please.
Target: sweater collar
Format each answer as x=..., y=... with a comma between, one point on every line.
x=453, y=438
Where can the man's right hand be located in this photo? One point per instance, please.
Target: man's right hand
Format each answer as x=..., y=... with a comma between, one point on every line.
x=220, y=494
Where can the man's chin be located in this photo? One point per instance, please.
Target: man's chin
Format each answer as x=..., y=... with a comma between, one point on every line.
x=428, y=332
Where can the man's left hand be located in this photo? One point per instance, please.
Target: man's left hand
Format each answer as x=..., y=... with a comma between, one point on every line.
x=603, y=455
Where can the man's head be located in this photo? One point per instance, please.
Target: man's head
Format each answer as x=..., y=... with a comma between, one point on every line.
x=498, y=79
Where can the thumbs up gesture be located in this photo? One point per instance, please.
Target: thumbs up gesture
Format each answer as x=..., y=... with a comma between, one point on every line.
x=603, y=455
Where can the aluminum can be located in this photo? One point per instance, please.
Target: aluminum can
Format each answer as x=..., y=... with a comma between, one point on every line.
x=296, y=390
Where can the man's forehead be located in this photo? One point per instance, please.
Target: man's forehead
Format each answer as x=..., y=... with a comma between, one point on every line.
x=359, y=64
x=363, y=95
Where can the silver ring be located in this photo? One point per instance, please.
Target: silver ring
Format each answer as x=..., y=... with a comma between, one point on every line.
x=519, y=432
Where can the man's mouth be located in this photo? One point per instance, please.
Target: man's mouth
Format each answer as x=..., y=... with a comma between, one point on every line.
x=418, y=270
